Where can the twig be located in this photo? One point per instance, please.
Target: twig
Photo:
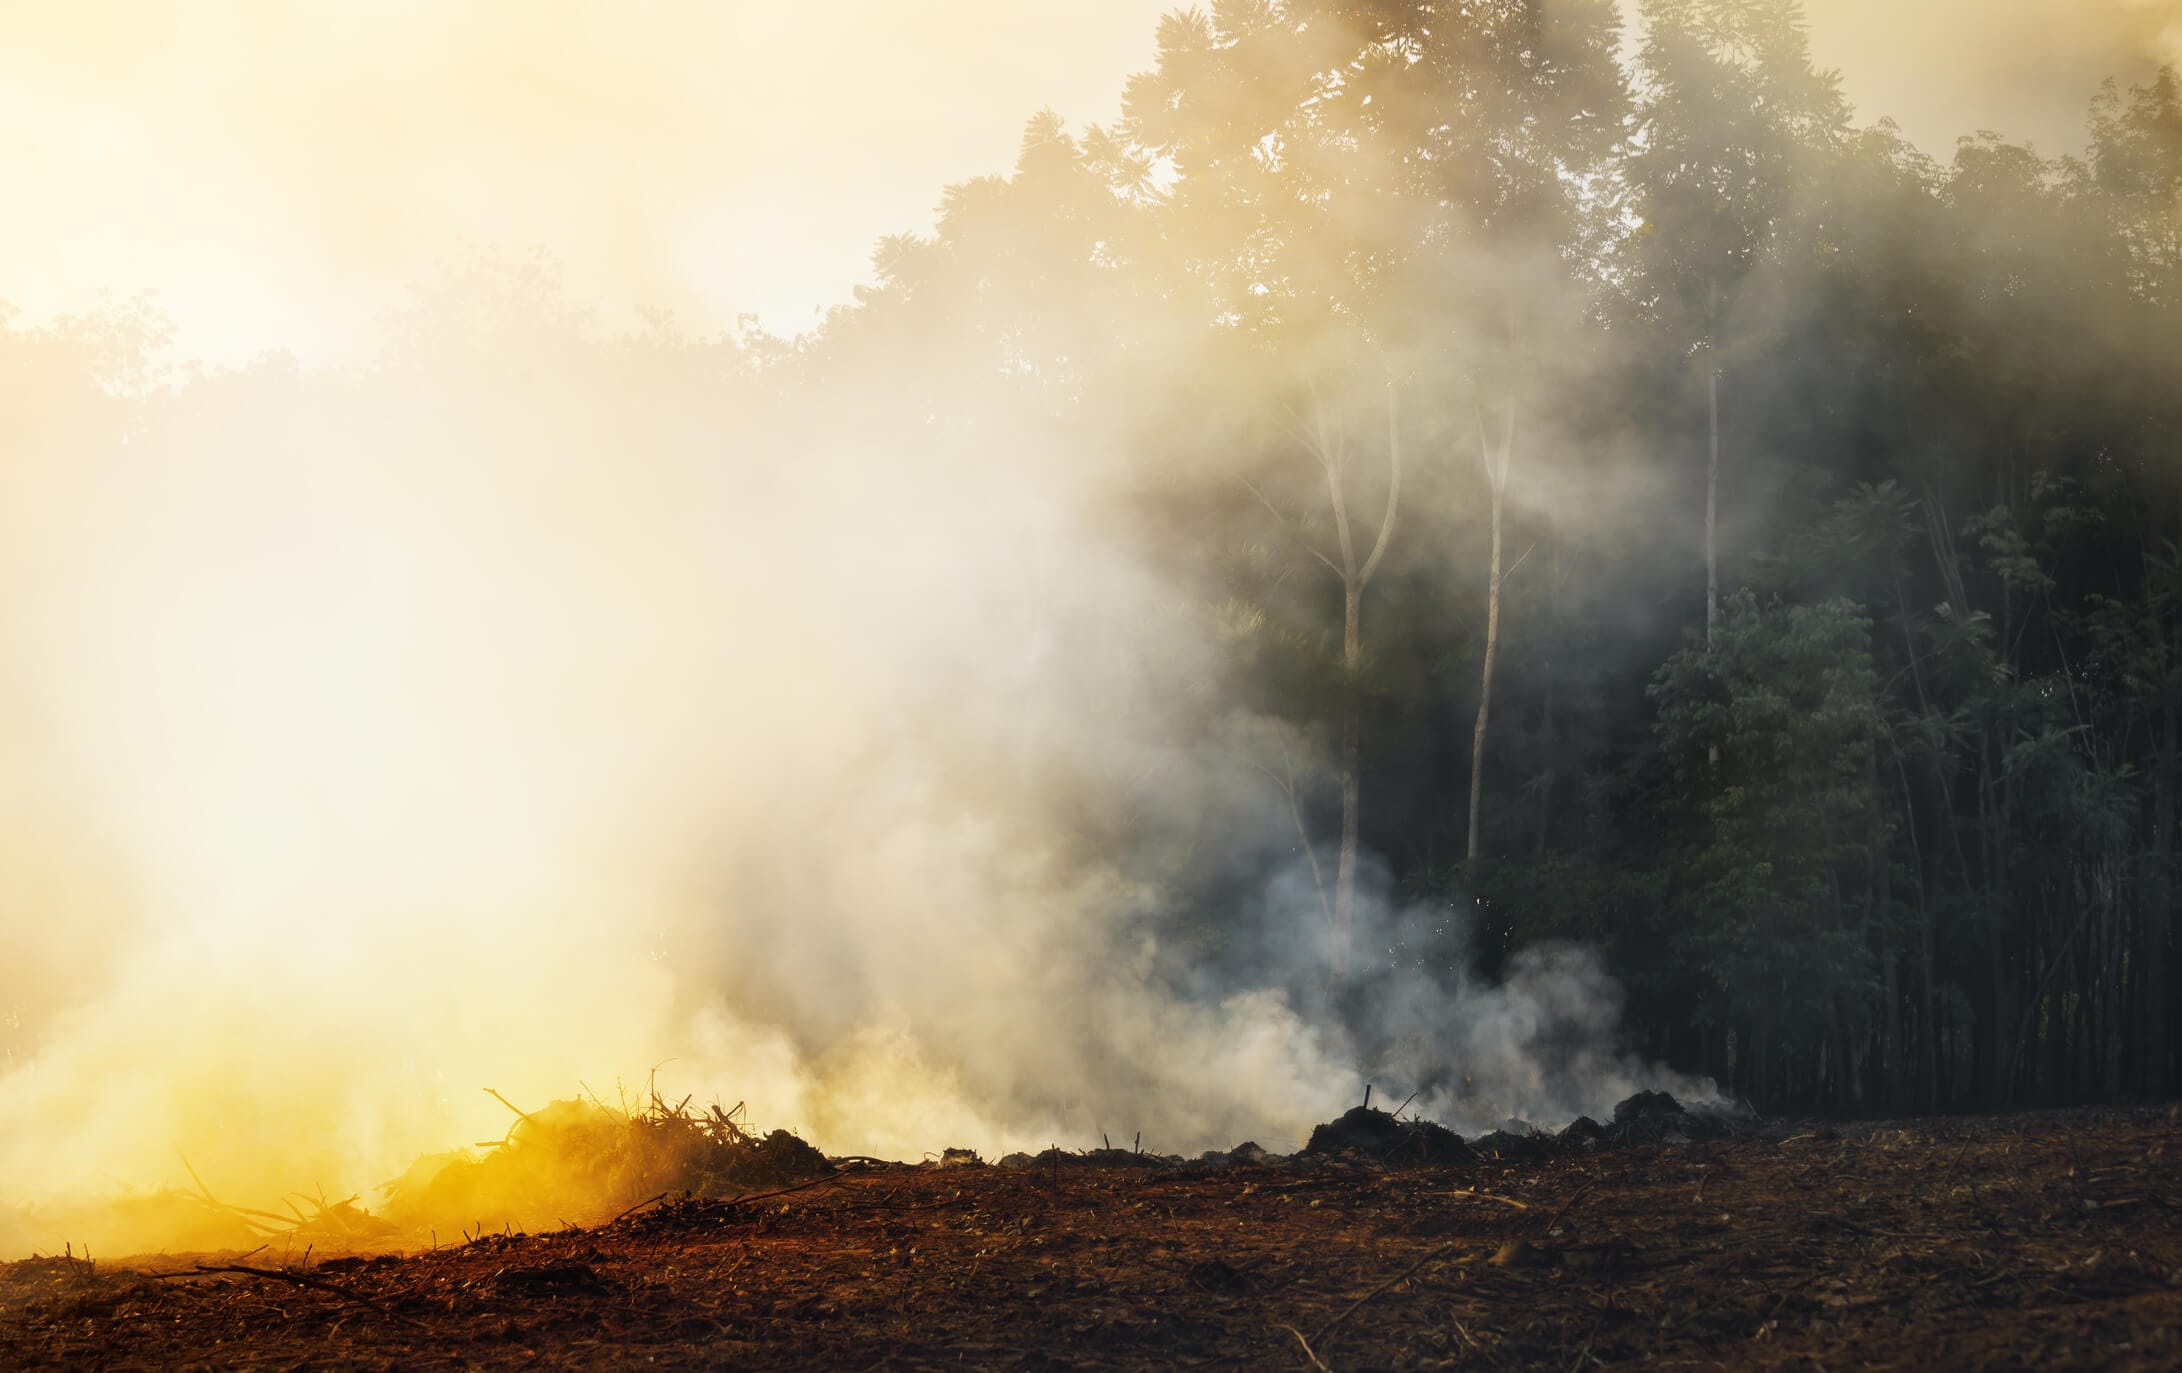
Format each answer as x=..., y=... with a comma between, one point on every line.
x=1562, y=1210
x=1291, y=530
x=1316, y=1362
x=751, y=1196
x=1489, y=1196
x=1471, y=1340
x=1395, y=1281
x=638, y=1207
x=298, y=1279
x=509, y=1104
x=204, y=1191
x=245, y=1213
x=784, y=1191
x=1287, y=785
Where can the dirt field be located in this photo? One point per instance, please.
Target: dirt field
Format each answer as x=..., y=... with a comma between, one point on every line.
x=2035, y=1242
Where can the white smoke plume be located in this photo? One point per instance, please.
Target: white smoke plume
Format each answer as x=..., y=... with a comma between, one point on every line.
x=536, y=705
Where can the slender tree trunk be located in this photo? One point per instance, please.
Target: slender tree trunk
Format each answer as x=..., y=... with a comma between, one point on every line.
x=1549, y=775
x=1344, y=882
x=2158, y=916
x=1846, y=1087
x=1712, y=510
x=1331, y=453
x=1496, y=477
x=1712, y=527
x=1546, y=778
x=1927, y=1020
x=1927, y=1023
x=1999, y=1060
x=1882, y=914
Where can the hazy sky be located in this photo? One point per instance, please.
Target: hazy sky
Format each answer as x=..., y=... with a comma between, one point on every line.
x=273, y=170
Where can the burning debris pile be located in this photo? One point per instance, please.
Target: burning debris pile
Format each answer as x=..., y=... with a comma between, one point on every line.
x=1389, y=1138
x=194, y=1220
x=575, y=1162
x=582, y=1161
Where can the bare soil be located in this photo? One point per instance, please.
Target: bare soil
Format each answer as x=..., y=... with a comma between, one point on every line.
x=2033, y=1242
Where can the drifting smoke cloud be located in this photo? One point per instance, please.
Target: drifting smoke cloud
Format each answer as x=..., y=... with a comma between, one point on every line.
x=2021, y=68
x=532, y=707
x=304, y=161
x=536, y=703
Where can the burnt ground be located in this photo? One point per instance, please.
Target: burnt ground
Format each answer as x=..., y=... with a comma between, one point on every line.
x=2040, y=1241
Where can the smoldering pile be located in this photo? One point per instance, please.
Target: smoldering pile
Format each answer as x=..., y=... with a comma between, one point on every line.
x=581, y=1161
x=573, y=1162
x=1368, y=1136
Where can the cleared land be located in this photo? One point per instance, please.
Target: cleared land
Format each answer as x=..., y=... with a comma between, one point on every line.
x=2037, y=1241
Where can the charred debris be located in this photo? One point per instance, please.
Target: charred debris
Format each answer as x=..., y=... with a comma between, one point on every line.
x=584, y=1162
x=1369, y=1136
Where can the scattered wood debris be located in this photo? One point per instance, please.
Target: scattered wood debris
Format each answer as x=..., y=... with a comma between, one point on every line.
x=2037, y=1241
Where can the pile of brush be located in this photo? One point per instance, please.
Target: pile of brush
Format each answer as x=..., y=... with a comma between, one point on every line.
x=193, y=1220
x=581, y=1161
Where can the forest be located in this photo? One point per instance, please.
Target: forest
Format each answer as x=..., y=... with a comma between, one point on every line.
x=1636, y=504
x=1791, y=603
x=1688, y=522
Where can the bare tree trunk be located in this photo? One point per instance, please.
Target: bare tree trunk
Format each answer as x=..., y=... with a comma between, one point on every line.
x=1331, y=451
x=1999, y=1063
x=1547, y=777
x=1344, y=881
x=1927, y=1021
x=1286, y=778
x=1549, y=774
x=1712, y=511
x=1496, y=479
x=2158, y=906
x=1882, y=914
x=1712, y=527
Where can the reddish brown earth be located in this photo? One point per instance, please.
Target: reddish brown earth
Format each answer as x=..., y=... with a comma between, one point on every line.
x=2034, y=1242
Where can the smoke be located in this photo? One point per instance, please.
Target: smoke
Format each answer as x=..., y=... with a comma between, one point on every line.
x=540, y=703
x=530, y=701
x=2021, y=68
x=303, y=162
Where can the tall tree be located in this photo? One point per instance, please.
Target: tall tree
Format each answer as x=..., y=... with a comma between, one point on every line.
x=1494, y=457
x=1733, y=113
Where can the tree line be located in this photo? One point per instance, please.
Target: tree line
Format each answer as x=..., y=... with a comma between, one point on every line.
x=1687, y=521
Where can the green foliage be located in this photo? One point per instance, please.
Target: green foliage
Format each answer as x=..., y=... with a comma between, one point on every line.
x=1768, y=737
